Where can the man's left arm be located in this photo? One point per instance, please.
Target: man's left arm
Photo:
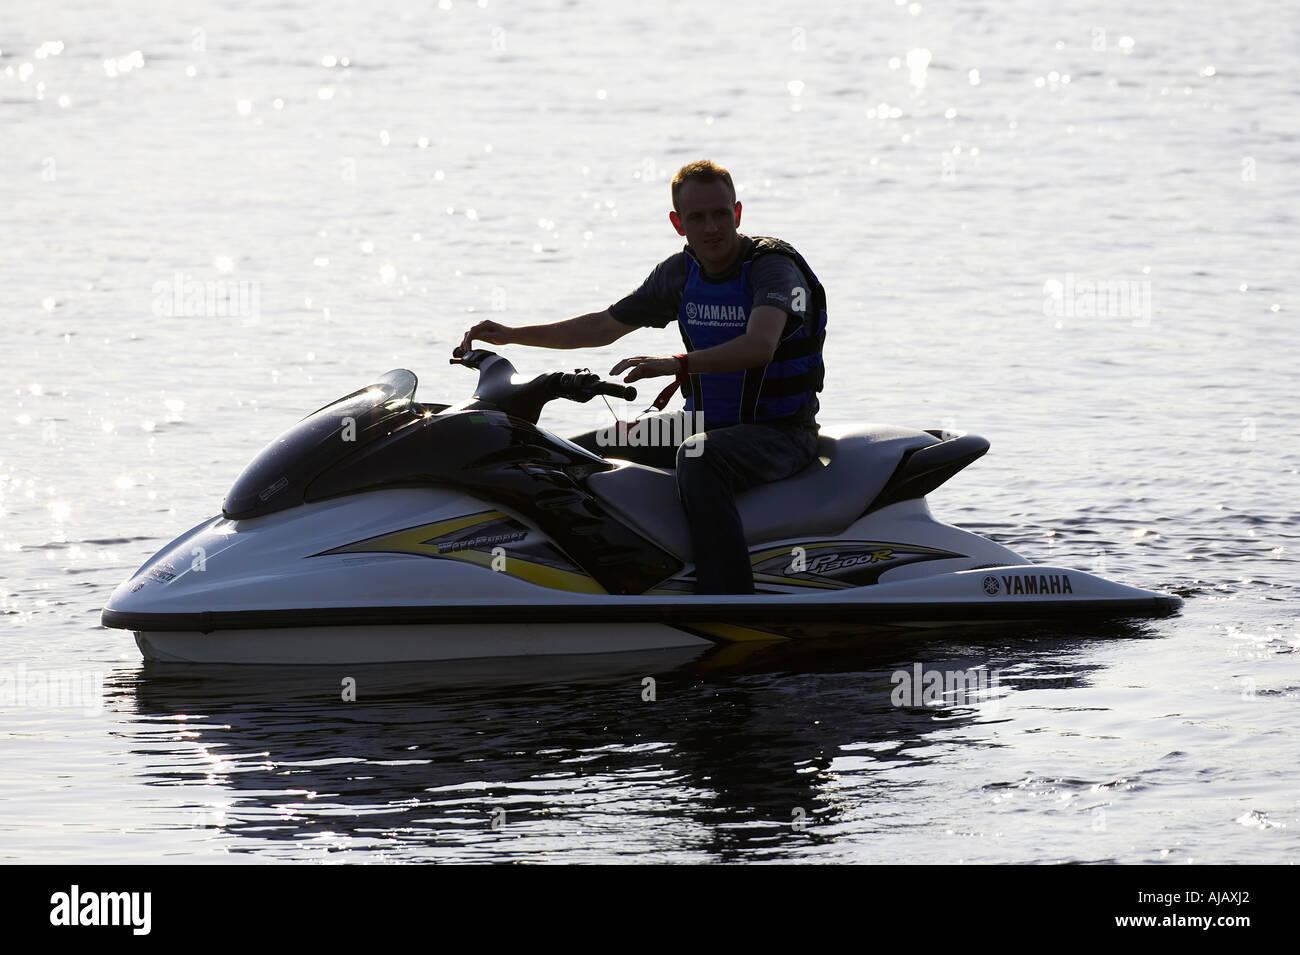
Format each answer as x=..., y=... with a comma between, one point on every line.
x=782, y=299
x=750, y=350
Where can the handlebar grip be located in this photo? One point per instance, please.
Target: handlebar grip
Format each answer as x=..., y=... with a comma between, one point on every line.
x=470, y=357
x=626, y=392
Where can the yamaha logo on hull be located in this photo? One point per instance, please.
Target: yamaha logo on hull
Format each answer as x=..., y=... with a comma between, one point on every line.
x=1028, y=584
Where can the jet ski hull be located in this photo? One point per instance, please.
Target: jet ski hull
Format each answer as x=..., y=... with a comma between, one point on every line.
x=380, y=530
x=270, y=590
x=454, y=631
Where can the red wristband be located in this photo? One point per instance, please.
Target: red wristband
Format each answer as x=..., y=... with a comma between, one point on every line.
x=685, y=367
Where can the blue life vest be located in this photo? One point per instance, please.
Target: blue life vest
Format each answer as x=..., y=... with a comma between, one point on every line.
x=715, y=312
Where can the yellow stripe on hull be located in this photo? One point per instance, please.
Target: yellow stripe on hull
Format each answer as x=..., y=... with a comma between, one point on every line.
x=416, y=540
x=733, y=633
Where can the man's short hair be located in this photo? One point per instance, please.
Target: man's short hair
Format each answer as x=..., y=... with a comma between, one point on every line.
x=702, y=170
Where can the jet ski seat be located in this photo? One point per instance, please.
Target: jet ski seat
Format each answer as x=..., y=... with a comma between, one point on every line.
x=854, y=465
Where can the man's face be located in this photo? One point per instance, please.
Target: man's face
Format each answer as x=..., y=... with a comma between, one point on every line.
x=708, y=216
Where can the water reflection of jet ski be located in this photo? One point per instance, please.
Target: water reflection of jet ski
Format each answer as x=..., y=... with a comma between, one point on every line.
x=383, y=529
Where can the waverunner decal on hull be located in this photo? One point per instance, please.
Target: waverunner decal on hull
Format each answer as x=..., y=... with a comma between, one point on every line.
x=480, y=539
x=821, y=565
x=840, y=564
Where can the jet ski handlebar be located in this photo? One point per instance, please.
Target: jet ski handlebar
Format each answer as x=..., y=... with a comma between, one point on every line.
x=500, y=386
x=470, y=357
x=583, y=386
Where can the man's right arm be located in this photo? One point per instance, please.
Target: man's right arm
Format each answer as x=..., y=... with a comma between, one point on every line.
x=585, y=331
x=654, y=303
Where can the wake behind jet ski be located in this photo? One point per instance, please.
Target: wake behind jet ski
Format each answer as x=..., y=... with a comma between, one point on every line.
x=382, y=529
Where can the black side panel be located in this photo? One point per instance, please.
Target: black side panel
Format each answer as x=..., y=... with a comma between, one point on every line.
x=760, y=614
x=511, y=463
x=923, y=470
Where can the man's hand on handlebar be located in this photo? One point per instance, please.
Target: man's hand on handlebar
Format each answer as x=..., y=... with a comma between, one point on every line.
x=493, y=333
x=643, y=367
x=583, y=386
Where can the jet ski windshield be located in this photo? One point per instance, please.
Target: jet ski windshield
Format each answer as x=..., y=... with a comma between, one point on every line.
x=278, y=476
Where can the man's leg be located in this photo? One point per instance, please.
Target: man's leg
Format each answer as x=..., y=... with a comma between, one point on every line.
x=714, y=467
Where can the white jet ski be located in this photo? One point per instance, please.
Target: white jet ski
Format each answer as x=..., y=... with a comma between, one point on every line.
x=380, y=529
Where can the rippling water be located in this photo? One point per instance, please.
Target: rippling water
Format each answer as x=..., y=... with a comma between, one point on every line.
x=365, y=187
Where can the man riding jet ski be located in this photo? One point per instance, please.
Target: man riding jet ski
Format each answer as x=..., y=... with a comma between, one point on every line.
x=753, y=318
x=381, y=528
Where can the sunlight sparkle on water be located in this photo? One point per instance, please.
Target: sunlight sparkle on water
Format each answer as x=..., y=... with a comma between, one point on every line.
x=918, y=61
x=123, y=65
